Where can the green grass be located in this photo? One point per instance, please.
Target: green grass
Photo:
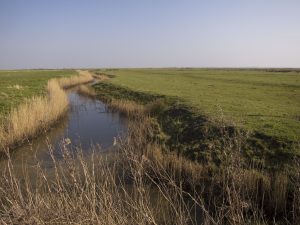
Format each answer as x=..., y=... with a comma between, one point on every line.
x=263, y=101
x=31, y=83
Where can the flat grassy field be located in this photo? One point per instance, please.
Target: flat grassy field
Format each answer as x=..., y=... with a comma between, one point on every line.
x=260, y=100
x=17, y=85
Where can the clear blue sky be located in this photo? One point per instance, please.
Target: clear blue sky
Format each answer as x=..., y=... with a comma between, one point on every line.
x=149, y=33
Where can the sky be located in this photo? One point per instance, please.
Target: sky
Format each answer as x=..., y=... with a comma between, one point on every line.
x=149, y=33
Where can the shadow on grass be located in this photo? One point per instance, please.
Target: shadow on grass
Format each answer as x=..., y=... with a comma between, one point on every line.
x=200, y=138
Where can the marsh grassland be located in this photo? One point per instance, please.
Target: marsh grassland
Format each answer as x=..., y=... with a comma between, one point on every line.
x=263, y=103
x=262, y=100
x=202, y=147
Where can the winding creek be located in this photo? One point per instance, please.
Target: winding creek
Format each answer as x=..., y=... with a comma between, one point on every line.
x=88, y=123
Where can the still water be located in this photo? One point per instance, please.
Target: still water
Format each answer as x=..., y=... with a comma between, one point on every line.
x=88, y=123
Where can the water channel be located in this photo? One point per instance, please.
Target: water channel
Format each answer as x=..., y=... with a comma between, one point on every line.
x=88, y=125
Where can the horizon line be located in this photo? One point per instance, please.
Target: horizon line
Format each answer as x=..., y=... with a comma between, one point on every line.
x=168, y=67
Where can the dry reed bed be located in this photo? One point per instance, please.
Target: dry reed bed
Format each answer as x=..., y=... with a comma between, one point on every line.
x=83, y=77
x=38, y=113
x=91, y=191
x=234, y=193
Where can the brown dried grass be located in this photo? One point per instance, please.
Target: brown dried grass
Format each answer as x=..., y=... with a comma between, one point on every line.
x=38, y=113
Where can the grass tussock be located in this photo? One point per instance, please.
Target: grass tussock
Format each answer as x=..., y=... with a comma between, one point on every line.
x=37, y=113
x=16, y=86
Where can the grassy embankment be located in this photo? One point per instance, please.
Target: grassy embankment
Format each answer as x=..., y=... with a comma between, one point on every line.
x=263, y=104
x=27, y=108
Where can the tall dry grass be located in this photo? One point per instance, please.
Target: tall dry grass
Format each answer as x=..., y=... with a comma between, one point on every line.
x=233, y=193
x=83, y=77
x=38, y=113
x=92, y=190
x=87, y=91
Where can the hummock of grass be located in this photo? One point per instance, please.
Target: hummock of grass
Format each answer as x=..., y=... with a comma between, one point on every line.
x=260, y=100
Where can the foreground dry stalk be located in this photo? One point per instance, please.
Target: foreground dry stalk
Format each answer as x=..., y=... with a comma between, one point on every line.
x=38, y=113
x=91, y=190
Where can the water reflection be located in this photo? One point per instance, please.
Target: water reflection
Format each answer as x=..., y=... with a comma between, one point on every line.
x=87, y=123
